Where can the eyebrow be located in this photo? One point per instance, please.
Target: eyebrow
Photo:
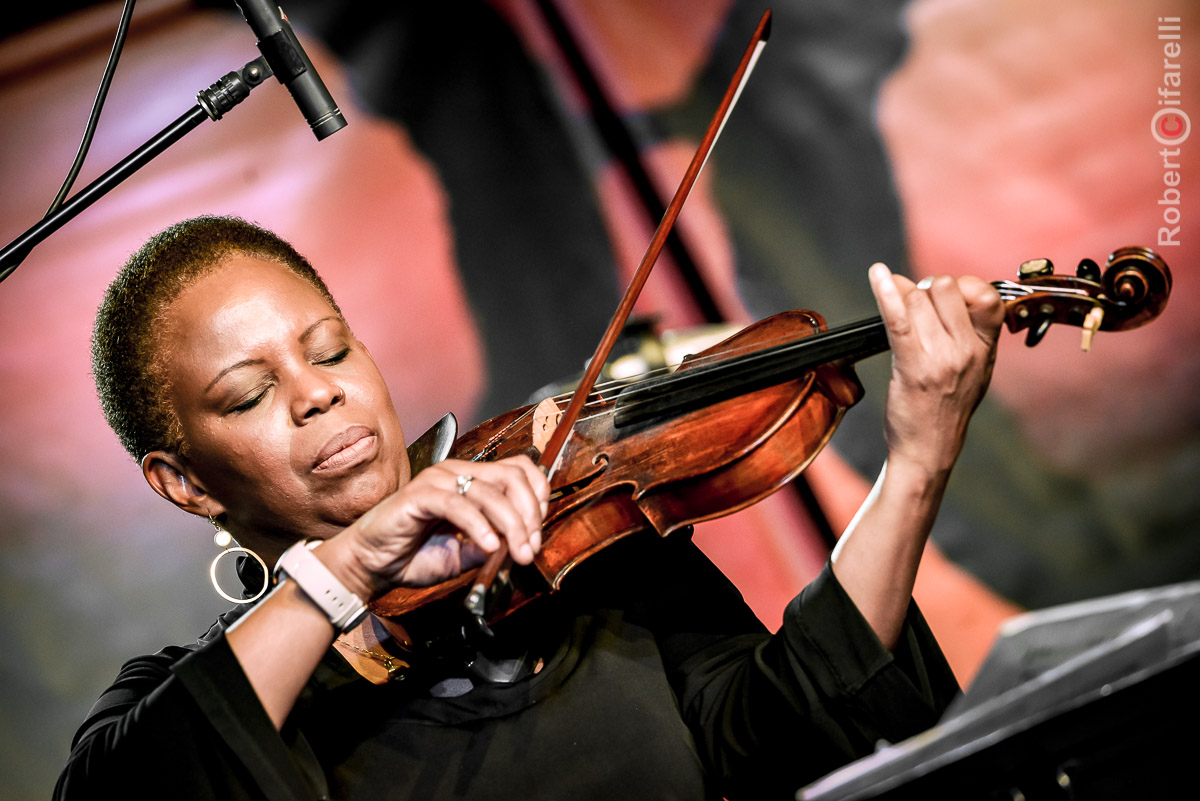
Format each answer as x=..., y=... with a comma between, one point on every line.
x=304, y=337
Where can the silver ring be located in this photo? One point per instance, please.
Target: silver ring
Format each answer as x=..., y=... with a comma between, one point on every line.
x=463, y=483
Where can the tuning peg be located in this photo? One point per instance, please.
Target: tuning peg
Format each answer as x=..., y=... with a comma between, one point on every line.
x=1036, y=332
x=1088, y=269
x=1091, y=324
x=1035, y=267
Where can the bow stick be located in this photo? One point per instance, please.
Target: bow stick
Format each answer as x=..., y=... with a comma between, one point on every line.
x=501, y=559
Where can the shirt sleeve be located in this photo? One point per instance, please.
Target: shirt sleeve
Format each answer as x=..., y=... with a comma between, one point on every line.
x=185, y=724
x=772, y=712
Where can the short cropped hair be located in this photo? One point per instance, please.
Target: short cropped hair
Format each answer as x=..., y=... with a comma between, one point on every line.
x=126, y=363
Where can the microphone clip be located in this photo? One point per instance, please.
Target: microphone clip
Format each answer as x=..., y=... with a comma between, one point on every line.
x=233, y=88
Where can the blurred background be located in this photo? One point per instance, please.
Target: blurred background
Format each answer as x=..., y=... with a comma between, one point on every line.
x=478, y=219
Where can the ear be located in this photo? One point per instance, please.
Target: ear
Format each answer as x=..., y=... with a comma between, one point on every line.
x=170, y=475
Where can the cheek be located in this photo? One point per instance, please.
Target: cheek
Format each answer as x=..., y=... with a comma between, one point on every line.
x=373, y=396
x=245, y=460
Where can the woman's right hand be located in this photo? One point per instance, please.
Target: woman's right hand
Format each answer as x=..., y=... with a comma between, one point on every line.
x=390, y=546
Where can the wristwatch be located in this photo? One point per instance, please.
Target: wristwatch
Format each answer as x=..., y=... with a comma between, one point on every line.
x=344, y=609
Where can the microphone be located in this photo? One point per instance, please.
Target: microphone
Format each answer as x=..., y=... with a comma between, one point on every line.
x=287, y=59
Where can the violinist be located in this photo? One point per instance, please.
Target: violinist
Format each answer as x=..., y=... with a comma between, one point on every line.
x=228, y=372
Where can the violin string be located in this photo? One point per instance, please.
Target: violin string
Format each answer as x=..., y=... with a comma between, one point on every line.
x=695, y=360
x=597, y=399
x=782, y=339
x=1008, y=290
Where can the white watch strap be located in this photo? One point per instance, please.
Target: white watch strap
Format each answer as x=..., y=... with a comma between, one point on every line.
x=344, y=609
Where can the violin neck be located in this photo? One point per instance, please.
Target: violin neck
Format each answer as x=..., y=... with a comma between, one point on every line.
x=702, y=385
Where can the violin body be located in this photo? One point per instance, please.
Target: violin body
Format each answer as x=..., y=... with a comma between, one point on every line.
x=678, y=470
x=667, y=473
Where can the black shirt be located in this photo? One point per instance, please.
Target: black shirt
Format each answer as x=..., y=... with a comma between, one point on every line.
x=659, y=683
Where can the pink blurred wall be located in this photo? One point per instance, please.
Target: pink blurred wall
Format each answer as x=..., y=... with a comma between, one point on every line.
x=1017, y=129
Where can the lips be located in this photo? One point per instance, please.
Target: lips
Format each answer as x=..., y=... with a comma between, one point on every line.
x=352, y=446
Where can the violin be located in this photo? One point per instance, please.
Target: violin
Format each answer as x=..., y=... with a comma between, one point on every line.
x=737, y=421
x=731, y=425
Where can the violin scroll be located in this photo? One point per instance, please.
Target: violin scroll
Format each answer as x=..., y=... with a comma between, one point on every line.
x=1131, y=290
x=1139, y=282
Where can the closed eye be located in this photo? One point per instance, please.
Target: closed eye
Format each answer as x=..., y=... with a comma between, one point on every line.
x=337, y=357
x=248, y=404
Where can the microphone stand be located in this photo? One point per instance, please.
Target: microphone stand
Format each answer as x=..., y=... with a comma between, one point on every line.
x=212, y=103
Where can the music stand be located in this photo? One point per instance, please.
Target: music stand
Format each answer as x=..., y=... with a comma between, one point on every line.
x=1092, y=700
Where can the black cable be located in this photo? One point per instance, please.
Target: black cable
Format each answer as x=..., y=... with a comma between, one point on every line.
x=97, y=107
x=621, y=143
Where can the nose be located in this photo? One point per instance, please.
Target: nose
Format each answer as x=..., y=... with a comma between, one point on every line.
x=316, y=393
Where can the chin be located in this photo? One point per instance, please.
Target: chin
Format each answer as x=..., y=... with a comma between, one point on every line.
x=364, y=496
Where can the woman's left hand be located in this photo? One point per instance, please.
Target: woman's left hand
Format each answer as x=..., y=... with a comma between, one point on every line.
x=943, y=333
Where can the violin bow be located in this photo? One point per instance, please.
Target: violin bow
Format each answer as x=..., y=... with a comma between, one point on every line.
x=501, y=560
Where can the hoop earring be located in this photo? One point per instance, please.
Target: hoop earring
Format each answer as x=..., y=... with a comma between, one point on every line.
x=223, y=539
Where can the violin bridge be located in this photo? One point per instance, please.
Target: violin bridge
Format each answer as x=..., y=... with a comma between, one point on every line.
x=546, y=417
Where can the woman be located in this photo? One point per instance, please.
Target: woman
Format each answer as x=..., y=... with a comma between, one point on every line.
x=226, y=368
